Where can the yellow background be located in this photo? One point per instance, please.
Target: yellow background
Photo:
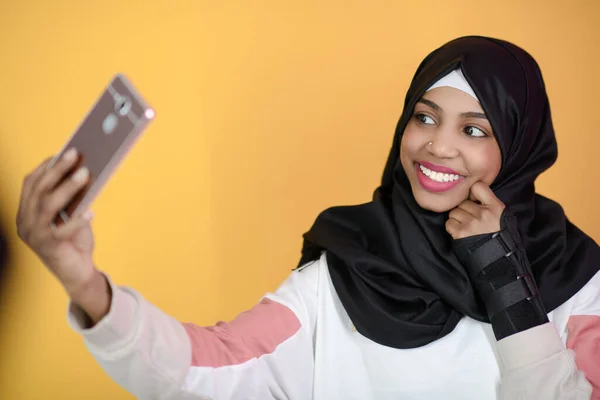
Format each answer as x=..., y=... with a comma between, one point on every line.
x=268, y=112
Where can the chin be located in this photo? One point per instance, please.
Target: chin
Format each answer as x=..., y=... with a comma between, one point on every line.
x=435, y=203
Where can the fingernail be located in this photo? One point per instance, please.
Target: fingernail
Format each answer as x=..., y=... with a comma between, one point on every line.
x=81, y=174
x=70, y=154
x=88, y=215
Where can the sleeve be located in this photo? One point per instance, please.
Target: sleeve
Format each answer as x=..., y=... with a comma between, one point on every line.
x=557, y=360
x=536, y=365
x=264, y=353
x=583, y=333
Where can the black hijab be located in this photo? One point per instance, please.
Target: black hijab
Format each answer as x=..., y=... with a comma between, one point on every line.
x=391, y=262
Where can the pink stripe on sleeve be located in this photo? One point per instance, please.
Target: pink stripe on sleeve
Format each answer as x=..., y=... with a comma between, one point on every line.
x=584, y=339
x=251, y=334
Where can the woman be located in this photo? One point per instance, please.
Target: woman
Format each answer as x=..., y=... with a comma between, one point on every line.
x=442, y=287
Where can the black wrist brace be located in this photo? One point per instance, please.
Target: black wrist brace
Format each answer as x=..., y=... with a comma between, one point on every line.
x=500, y=272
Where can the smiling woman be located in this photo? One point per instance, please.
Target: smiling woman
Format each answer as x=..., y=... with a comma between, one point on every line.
x=448, y=145
x=457, y=273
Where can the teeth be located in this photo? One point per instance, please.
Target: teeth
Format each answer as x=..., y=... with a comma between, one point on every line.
x=439, y=176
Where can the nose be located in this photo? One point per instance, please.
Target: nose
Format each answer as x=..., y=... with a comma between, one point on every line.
x=444, y=143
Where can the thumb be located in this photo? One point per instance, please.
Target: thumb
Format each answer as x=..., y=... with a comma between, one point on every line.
x=482, y=193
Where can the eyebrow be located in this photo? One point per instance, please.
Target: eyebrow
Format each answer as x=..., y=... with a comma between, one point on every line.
x=436, y=107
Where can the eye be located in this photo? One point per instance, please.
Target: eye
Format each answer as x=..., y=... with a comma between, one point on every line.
x=473, y=131
x=424, y=119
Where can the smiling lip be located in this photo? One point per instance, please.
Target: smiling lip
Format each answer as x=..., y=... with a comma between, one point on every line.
x=434, y=186
x=438, y=168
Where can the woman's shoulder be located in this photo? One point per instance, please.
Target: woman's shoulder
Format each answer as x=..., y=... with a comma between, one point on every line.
x=301, y=285
x=586, y=302
x=308, y=274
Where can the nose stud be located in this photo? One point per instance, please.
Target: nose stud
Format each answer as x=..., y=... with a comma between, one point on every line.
x=429, y=144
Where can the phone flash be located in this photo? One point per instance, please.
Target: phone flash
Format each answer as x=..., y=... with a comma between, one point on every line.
x=110, y=123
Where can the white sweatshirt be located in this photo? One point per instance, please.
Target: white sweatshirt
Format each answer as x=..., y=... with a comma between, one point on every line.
x=299, y=344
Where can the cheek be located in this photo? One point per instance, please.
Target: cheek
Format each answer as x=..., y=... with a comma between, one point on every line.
x=406, y=150
x=486, y=163
x=412, y=141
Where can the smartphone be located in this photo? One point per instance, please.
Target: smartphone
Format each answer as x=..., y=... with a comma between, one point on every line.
x=103, y=138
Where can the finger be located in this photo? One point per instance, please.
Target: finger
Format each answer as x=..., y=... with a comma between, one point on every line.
x=460, y=215
x=55, y=173
x=51, y=174
x=47, y=175
x=482, y=192
x=471, y=207
x=22, y=221
x=453, y=227
x=31, y=179
x=52, y=203
x=71, y=227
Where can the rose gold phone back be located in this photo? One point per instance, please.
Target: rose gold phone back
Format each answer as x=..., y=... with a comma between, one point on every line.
x=105, y=136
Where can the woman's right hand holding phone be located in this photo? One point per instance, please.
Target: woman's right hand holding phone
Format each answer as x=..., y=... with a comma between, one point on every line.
x=66, y=250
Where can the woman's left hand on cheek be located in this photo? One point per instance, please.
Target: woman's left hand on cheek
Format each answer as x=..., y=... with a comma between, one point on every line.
x=470, y=218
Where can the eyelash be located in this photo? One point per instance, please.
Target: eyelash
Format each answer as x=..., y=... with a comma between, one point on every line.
x=420, y=116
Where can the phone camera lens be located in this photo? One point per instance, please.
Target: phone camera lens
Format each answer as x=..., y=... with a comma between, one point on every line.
x=122, y=105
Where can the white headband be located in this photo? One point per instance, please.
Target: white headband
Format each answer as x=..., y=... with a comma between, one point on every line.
x=457, y=80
